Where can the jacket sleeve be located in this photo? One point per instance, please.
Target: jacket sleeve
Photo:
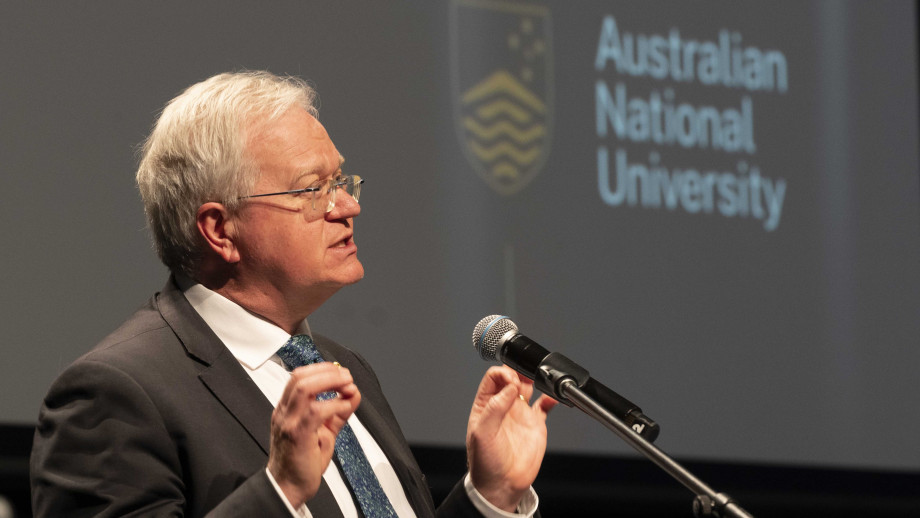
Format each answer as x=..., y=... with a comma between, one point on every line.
x=101, y=449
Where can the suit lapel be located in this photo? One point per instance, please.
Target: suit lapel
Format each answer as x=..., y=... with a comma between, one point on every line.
x=253, y=413
x=226, y=379
x=219, y=370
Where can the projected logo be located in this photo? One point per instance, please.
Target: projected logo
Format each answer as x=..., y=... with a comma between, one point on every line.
x=502, y=80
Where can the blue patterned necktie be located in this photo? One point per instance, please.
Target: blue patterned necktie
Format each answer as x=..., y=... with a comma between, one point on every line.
x=298, y=351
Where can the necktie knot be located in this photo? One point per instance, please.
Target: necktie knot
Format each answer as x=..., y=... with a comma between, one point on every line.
x=298, y=351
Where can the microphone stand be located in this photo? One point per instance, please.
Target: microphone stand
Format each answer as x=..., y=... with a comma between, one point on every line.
x=558, y=376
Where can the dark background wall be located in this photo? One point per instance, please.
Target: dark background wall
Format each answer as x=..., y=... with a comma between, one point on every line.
x=777, y=352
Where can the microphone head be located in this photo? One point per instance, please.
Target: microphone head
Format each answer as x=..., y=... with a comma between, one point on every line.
x=489, y=334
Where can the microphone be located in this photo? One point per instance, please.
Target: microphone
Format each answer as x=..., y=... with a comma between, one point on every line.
x=496, y=338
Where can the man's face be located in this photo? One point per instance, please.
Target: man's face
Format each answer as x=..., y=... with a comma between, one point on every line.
x=285, y=244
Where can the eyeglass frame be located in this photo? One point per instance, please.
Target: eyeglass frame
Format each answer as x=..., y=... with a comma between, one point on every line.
x=337, y=182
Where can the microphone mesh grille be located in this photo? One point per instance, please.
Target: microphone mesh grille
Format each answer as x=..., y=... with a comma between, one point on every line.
x=488, y=333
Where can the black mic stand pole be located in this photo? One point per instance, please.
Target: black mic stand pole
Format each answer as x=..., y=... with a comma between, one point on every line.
x=555, y=377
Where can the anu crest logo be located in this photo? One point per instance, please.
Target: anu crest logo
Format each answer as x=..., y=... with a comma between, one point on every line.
x=501, y=64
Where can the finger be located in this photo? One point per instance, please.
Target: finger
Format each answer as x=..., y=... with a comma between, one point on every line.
x=496, y=379
x=330, y=414
x=319, y=369
x=314, y=384
x=305, y=387
x=300, y=373
x=526, y=387
x=544, y=404
x=522, y=378
x=336, y=422
x=311, y=421
x=349, y=391
x=351, y=395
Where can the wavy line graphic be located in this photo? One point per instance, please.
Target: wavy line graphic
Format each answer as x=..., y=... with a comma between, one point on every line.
x=507, y=170
x=503, y=107
x=504, y=129
x=503, y=82
x=505, y=126
x=504, y=149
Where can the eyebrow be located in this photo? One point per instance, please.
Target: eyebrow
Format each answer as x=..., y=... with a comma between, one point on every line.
x=306, y=174
x=315, y=172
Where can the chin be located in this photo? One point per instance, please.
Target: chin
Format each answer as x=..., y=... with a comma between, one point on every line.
x=355, y=274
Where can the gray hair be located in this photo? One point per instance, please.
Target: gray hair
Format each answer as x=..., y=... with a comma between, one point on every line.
x=196, y=153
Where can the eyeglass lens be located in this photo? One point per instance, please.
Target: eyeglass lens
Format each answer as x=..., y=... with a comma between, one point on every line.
x=326, y=194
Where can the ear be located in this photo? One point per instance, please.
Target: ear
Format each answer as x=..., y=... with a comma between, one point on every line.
x=217, y=228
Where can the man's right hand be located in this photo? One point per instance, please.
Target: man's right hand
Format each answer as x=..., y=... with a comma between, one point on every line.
x=303, y=429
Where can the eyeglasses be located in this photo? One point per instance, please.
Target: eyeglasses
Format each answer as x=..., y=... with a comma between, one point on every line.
x=322, y=193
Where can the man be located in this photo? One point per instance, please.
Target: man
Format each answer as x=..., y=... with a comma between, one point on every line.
x=173, y=413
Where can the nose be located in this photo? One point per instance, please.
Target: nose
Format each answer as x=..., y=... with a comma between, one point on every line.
x=345, y=207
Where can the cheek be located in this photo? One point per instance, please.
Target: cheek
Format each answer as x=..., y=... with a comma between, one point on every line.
x=270, y=246
x=307, y=242
x=288, y=243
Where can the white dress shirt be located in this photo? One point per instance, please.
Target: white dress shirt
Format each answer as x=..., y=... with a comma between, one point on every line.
x=254, y=341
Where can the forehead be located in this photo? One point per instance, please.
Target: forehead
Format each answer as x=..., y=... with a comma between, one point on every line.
x=293, y=145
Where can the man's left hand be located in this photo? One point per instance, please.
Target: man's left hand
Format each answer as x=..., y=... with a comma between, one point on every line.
x=506, y=437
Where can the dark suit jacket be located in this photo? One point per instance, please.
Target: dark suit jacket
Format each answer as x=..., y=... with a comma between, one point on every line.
x=161, y=419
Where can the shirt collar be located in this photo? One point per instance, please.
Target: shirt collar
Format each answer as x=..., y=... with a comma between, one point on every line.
x=250, y=338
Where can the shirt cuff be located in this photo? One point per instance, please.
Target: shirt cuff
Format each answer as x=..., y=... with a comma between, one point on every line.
x=526, y=508
x=303, y=512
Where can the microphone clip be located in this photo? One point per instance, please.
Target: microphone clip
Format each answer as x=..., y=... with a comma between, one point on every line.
x=553, y=370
